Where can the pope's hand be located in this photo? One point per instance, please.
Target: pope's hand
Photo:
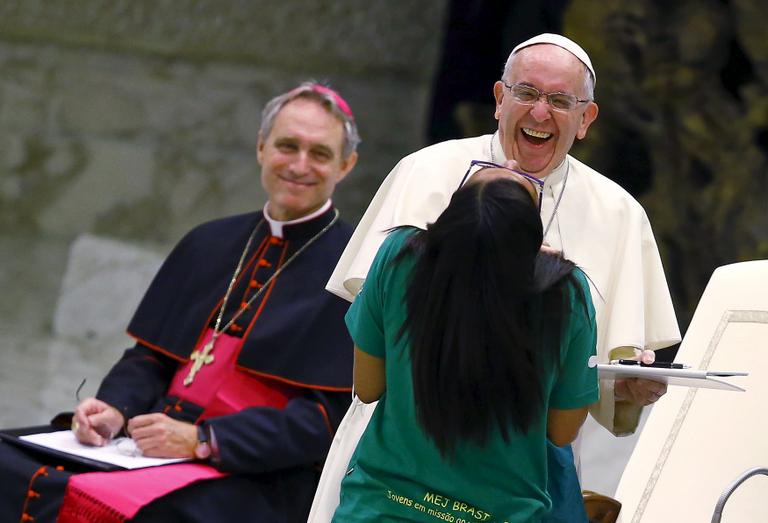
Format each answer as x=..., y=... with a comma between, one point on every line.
x=546, y=249
x=159, y=436
x=639, y=391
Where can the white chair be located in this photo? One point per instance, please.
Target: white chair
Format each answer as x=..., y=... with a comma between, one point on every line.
x=696, y=440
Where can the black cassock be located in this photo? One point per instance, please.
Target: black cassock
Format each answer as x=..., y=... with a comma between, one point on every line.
x=294, y=334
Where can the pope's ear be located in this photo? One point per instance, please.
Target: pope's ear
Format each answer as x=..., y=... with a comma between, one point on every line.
x=589, y=116
x=498, y=94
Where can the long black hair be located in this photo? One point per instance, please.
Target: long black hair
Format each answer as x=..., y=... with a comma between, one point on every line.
x=476, y=289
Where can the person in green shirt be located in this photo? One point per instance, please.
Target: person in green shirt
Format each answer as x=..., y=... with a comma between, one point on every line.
x=476, y=346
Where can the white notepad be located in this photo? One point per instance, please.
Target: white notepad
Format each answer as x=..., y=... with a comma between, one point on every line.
x=65, y=441
x=683, y=377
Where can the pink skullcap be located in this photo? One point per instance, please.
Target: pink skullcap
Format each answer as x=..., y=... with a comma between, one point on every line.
x=343, y=105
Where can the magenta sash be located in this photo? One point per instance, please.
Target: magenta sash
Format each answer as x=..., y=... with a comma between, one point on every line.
x=222, y=388
x=112, y=497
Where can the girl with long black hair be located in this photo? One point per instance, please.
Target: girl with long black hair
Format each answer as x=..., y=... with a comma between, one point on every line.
x=476, y=346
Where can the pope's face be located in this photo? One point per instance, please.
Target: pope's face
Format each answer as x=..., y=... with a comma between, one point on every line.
x=537, y=136
x=301, y=160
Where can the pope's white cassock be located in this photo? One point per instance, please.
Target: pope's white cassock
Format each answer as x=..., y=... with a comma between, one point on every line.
x=589, y=218
x=596, y=224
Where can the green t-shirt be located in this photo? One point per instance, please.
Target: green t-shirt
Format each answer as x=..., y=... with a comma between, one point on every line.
x=397, y=473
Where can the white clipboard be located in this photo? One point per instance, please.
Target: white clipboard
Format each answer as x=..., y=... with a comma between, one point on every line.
x=706, y=379
x=65, y=441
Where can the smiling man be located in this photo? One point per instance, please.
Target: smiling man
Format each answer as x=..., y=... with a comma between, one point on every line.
x=539, y=135
x=242, y=360
x=301, y=160
x=545, y=101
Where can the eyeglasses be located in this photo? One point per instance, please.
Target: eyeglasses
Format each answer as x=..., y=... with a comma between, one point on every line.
x=127, y=447
x=535, y=182
x=527, y=95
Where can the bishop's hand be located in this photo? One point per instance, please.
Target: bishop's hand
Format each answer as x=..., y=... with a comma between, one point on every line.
x=96, y=422
x=159, y=436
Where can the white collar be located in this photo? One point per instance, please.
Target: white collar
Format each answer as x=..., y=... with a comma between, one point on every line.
x=557, y=174
x=276, y=226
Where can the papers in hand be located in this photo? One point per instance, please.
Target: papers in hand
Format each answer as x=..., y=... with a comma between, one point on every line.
x=683, y=377
x=113, y=452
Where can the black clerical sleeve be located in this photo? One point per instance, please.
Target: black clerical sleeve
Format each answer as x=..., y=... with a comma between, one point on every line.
x=265, y=439
x=137, y=380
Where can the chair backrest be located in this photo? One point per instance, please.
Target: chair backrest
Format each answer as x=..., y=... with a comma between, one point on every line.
x=697, y=440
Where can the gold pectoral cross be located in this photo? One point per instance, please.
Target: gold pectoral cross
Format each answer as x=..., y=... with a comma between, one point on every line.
x=200, y=358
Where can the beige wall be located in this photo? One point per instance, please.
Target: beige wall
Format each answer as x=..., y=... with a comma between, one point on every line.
x=138, y=119
x=135, y=120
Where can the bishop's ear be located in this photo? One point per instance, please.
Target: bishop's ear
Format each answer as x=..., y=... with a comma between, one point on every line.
x=260, y=149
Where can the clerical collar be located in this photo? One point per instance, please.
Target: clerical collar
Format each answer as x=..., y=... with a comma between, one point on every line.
x=557, y=174
x=286, y=229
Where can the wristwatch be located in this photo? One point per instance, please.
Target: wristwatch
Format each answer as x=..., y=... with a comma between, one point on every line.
x=203, y=445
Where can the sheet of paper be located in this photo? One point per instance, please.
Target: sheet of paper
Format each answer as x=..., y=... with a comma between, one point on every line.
x=64, y=441
x=682, y=377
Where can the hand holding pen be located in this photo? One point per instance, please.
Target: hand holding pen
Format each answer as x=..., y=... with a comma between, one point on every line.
x=96, y=422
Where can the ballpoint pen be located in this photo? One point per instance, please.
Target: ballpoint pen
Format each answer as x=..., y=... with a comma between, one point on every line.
x=656, y=364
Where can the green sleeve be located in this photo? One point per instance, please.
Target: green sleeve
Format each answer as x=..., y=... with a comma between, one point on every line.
x=576, y=385
x=365, y=317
